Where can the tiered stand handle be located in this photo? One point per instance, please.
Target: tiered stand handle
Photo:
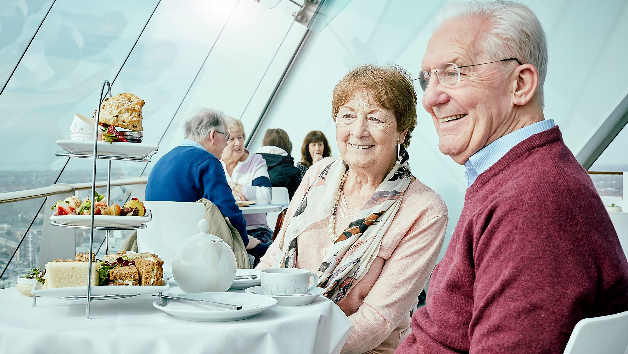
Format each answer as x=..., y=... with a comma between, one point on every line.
x=106, y=85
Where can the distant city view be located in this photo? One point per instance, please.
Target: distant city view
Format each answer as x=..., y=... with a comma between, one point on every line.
x=608, y=185
x=16, y=217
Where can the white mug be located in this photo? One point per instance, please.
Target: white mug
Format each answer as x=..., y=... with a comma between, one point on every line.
x=287, y=281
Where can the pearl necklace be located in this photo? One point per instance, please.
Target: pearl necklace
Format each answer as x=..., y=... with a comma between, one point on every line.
x=334, y=208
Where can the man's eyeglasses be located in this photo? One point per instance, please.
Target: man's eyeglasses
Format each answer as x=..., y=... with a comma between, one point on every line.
x=227, y=135
x=449, y=74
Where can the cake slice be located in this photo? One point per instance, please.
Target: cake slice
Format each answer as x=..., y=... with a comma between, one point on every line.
x=150, y=269
x=124, y=276
x=69, y=274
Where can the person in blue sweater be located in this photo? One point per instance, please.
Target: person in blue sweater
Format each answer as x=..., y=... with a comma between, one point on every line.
x=192, y=170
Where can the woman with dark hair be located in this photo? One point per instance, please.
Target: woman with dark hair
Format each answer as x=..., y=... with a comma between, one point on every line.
x=315, y=148
x=276, y=149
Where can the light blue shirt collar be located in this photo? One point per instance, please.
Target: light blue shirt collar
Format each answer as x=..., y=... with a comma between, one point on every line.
x=189, y=142
x=490, y=154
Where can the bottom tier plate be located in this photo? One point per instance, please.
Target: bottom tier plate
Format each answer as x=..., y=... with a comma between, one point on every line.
x=81, y=291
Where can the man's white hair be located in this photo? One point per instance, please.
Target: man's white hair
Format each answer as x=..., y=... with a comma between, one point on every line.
x=515, y=32
x=198, y=127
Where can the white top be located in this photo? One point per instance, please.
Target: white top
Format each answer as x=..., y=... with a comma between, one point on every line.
x=252, y=174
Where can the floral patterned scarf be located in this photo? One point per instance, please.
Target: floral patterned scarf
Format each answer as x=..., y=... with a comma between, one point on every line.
x=353, y=251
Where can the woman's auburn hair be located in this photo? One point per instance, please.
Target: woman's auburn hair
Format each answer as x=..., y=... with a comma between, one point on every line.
x=279, y=138
x=315, y=136
x=389, y=86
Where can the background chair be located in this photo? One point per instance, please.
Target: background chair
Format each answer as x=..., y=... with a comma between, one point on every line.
x=280, y=196
x=605, y=334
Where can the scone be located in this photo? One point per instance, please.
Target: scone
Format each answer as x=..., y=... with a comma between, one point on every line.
x=123, y=110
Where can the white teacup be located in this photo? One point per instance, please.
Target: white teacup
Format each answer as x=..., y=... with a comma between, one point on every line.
x=287, y=281
x=82, y=128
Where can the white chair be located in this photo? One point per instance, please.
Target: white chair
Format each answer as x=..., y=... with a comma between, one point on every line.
x=172, y=223
x=280, y=196
x=620, y=221
x=605, y=334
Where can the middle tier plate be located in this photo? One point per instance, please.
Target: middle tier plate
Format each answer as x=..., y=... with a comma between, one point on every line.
x=100, y=220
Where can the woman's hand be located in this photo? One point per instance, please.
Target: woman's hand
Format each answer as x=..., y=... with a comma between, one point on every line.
x=253, y=242
x=236, y=190
x=316, y=157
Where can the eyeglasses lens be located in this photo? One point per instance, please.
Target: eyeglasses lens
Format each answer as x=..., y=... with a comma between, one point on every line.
x=448, y=76
x=424, y=79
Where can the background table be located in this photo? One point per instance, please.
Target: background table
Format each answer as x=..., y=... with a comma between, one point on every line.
x=133, y=325
x=262, y=208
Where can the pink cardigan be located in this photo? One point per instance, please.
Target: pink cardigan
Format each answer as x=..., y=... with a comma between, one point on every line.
x=379, y=304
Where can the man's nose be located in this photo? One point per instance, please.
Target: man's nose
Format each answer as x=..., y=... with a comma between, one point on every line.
x=434, y=94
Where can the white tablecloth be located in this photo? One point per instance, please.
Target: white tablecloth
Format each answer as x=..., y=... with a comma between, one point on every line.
x=133, y=325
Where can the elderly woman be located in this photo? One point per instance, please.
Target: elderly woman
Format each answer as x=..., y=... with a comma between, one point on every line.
x=370, y=229
x=248, y=178
x=276, y=149
x=315, y=147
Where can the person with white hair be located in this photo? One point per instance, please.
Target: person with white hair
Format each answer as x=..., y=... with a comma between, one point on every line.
x=534, y=250
x=247, y=176
x=192, y=170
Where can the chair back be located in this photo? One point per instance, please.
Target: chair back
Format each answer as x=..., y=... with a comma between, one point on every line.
x=172, y=223
x=605, y=334
x=279, y=223
x=280, y=196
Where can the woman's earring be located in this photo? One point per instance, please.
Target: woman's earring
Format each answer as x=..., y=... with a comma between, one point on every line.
x=398, y=150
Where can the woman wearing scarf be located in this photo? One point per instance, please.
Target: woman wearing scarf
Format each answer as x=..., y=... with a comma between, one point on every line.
x=370, y=229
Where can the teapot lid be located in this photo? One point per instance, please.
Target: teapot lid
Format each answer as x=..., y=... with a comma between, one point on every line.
x=203, y=228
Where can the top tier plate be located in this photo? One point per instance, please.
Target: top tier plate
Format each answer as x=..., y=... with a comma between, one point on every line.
x=132, y=150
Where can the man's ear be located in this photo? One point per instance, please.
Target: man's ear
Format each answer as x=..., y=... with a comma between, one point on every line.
x=212, y=135
x=527, y=80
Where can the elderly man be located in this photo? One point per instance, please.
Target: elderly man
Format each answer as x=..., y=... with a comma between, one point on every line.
x=534, y=250
x=192, y=170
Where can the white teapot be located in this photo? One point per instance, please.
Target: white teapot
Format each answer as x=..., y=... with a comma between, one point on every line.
x=204, y=262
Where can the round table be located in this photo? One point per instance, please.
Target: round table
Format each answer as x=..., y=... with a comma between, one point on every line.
x=133, y=325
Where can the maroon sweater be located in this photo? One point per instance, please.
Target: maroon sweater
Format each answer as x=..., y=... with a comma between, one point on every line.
x=534, y=252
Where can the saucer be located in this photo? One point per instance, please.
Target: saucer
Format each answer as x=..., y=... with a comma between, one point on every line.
x=289, y=300
x=246, y=278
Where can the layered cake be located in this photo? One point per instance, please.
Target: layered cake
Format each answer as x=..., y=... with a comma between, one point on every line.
x=124, y=276
x=70, y=273
x=150, y=269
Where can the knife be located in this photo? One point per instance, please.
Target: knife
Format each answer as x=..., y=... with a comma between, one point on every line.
x=204, y=302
